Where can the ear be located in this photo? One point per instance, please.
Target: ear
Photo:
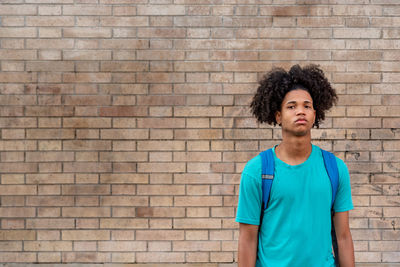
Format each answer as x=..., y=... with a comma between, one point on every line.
x=278, y=117
x=315, y=116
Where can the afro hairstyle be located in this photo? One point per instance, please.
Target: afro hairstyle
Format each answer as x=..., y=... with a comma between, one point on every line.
x=278, y=82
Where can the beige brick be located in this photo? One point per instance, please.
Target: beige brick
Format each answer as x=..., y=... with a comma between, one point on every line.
x=54, y=21
x=85, y=235
x=123, y=224
x=10, y=246
x=88, y=257
x=196, y=246
x=86, y=212
x=47, y=246
x=197, y=223
x=49, y=201
x=123, y=257
x=124, y=201
x=17, y=189
x=48, y=235
x=17, y=257
x=50, y=223
x=136, y=21
x=161, y=167
x=148, y=257
x=48, y=257
x=160, y=190
x=122, y=246
x=198, y=179
x=87, y=10
x=198, y=201
x=17, y=212
x=392, y=111
x=124, y=178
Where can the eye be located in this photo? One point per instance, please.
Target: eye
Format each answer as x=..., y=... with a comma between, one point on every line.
x=291, y=107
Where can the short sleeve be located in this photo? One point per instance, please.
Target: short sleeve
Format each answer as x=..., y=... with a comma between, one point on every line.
x=343, y=200
x=250, y=194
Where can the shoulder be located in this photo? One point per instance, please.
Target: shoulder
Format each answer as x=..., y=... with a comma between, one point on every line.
x=342, y=168
x=253, y=167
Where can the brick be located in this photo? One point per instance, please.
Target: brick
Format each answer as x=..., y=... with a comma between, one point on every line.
x=198, y=89
x=6, y=32
x=356, y=33
x=54, y=21
x=124, y=10
x=88, y=257
x=17, y=257
x=148, y=257
x=86, y=212
x=164, y=10
x=157, y=77
x=198, y=201
x=196, y=245
x=87, y=10
x=160, y=212
x=161, y=167
x=160, y=190
x=82, y=145
x=122, y=156
x=124, y=201
x=47, y=246
x=197, y=111
x=392, y=111
x=85, y=235
x=123, y=224
x=50, y=223
x=159, y=246
x=49, y=201
x=124, y=178
x=122, y=246
x=86, y=77
x=198, y=145
x=284, y=11
x=17, y=189
x=87, y=55
x=15, y=145
x=197, y=223
x=116, y=66
x=113, y=21
x=356, y=123
x=10, y=246
x=17, y=212
x=9, y=9
x=198, y=179
x=86, y=33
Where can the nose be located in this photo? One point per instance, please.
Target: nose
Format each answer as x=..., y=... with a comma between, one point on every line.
x=300, y=111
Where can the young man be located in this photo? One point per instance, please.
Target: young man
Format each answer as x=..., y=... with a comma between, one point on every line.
x=296, y=225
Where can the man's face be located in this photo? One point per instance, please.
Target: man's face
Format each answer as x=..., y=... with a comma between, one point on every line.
x=297, y=115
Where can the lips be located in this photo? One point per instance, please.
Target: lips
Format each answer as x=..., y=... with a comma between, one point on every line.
x=301, y=120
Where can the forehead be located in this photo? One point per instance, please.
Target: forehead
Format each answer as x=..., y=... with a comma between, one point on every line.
x=297, y=95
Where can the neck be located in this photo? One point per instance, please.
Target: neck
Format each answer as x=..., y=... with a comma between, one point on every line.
x=294, y=149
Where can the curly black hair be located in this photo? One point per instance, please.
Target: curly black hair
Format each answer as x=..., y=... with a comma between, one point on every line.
x=278, y=82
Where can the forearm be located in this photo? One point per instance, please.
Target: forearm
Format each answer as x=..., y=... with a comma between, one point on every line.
x=247, y=252
x=346, y=252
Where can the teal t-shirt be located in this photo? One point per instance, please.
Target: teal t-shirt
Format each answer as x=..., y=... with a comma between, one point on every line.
x=296, y=228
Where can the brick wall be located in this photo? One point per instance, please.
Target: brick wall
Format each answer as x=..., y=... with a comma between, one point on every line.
x=125, y=123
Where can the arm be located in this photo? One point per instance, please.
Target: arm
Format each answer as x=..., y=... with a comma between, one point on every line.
x=248, y=240
x=344, y=239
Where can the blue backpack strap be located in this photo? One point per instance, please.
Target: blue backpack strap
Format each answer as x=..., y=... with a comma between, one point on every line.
x=268, y=167
x=333, y=172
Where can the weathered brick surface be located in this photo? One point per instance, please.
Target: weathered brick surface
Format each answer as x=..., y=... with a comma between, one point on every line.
x=124, y=125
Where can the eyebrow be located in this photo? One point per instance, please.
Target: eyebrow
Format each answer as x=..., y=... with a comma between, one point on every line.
x=294, y=102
